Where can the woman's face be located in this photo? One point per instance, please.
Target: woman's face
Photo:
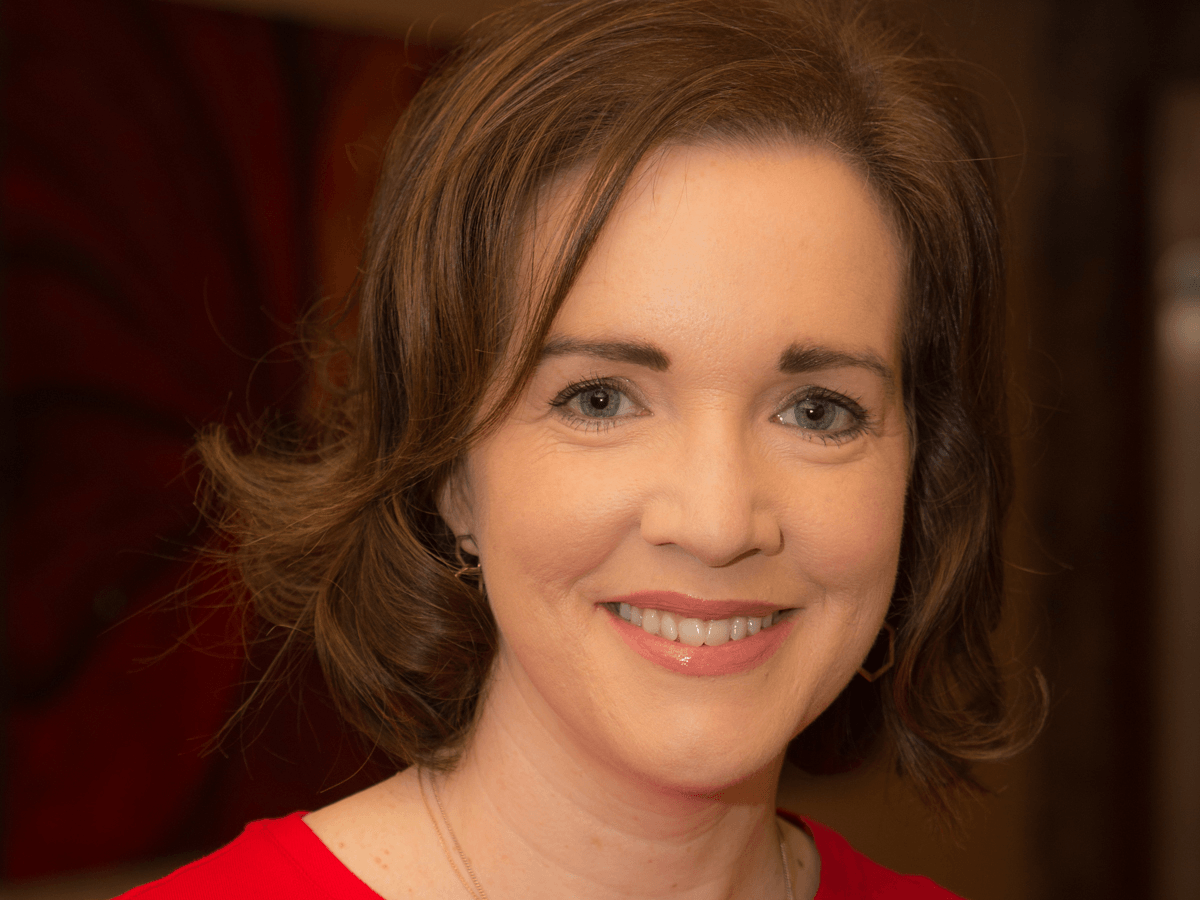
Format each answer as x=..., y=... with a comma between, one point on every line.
x=715, y=434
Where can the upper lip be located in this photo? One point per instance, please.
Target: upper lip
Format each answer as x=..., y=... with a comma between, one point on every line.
x=693, y=607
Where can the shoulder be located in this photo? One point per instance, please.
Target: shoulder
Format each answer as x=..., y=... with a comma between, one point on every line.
x=272, y=859
x=847, y=874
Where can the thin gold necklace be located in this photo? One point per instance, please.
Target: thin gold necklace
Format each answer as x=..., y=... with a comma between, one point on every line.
x=787, y=870
x=478, y=892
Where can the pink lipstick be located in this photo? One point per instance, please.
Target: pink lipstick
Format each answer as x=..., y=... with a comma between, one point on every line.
x=728, y=658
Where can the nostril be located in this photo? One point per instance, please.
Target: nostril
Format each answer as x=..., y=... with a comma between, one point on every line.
x=707, y=497
x=716, y=541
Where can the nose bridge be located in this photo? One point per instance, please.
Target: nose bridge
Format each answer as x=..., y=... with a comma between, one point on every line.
x=709, y=500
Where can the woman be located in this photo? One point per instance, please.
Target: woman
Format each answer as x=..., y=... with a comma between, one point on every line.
x=675, y=439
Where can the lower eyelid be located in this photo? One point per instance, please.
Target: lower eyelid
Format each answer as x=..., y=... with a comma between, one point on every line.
x=858, y=420
x=567, y=400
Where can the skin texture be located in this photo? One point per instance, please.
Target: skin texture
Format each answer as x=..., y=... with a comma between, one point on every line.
x=593, y=772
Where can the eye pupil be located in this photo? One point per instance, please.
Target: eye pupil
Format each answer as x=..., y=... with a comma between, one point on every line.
x=817, y=414
x=599, y=402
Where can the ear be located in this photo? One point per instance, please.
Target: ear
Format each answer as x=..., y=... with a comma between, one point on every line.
x=454, y=506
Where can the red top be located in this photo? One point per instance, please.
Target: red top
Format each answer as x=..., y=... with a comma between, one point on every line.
x=282, y=859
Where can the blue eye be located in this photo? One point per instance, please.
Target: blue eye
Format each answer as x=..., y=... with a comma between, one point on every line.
x=598, y=402
x=594, y=404
x=829, y=416
x=820, y=415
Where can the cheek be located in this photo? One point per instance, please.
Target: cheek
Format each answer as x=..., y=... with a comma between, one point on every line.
x=547, y=518
x=848, y=530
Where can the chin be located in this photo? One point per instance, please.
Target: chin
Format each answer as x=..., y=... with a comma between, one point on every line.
x=710, y=774
x=700, y=754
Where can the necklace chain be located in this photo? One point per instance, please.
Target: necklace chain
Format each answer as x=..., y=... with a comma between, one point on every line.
x=787, y=869
x=478, y=893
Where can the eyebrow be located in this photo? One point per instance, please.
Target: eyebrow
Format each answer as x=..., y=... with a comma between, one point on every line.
x=795, y=360
x=637, y=352
x=799, y=358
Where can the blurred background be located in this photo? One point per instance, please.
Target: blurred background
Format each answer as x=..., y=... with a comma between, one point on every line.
x=180, y=181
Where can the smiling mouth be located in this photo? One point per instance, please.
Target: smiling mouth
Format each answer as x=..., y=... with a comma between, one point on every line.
x=695, y=632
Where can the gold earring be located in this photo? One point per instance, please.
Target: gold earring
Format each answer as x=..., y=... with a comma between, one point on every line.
x=891, y=655
x=465, y=570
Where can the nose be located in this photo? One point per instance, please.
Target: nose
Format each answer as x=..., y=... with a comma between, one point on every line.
x=710, y=496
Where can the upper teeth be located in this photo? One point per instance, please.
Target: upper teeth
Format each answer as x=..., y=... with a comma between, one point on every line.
x=696, y=632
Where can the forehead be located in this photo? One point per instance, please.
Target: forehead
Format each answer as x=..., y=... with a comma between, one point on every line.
x=771, y=244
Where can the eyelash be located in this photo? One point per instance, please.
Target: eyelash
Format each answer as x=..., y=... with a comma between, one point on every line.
x=862, y=419
x=573, y=390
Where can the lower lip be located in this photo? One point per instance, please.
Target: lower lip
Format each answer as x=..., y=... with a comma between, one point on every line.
x=725, y=659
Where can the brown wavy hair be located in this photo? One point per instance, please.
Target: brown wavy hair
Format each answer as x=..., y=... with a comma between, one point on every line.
x=338, y=539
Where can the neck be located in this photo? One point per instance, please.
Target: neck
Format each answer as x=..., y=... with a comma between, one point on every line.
x=539, y=815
